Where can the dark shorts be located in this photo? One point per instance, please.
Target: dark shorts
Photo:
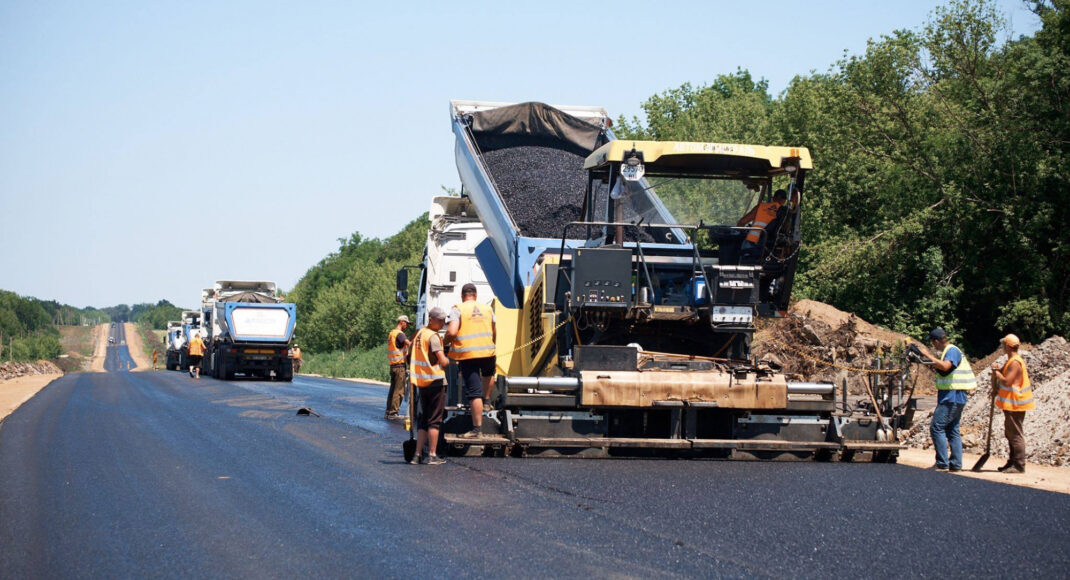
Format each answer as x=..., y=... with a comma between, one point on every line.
x=195, y=360
x=471, y=371
x=432, y=405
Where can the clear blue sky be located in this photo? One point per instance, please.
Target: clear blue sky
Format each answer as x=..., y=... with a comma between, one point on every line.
x=148, y=149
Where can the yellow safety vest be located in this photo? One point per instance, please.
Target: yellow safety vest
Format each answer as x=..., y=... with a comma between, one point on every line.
x=395, y=355
x=1020, y=398
x=762, y=218
x=423, y=371
x=297, y=353
x=960, y=378
x=475, y=337
x=196, y=347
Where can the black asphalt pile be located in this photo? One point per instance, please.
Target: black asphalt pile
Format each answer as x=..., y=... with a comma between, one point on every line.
x=542, y=187
x=1047, y=429
x=11, y=370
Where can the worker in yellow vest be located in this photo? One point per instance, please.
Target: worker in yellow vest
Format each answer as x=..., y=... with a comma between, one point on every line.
x=954, y=380
x=396, y=343
x=298, y=358
x=1014, y=396
x=196, y=351
x=428, y=374
x=758, y=219
x=471, y=335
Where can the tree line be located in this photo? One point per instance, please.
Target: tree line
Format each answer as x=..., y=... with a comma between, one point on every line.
x=29, y=327
x=939, y=194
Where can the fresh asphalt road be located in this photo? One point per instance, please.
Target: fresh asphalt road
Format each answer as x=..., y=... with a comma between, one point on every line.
x=154, y=474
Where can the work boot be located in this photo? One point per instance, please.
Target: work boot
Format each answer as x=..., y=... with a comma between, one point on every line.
x=434, y=460
x=939, y=468
x=416, y=460
x=1014, y=469
x=1005, y=467
x=473, y=434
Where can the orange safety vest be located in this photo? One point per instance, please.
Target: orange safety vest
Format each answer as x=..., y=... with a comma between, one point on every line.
x=1020, y=398
x=423, y=371
x=475, y=337
x=765, y=214
x=394, y=355
x=196, y=346
x=297, y=353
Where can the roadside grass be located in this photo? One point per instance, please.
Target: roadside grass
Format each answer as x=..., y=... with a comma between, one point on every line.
x=152, y=339
x=352, y=364
x=77, y=339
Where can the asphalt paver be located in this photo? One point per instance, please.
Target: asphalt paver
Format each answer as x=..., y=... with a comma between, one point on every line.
x=157, y=474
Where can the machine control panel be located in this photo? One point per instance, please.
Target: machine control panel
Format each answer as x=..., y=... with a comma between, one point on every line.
x=602, y=278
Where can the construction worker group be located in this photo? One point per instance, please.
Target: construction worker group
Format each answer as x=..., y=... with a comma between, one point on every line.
x=469, y=339
x=1012, y=393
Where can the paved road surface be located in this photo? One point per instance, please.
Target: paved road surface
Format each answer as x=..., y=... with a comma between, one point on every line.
x=117, y=358
x=155, y=474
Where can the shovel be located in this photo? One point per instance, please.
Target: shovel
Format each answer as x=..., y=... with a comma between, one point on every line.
x=988, y=440
x=409, y=446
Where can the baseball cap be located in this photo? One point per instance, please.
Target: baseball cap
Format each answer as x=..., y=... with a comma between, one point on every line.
x=404, y=318
x=437, y=313
x=937, y=334
x=1011, y=340
x=469, y=287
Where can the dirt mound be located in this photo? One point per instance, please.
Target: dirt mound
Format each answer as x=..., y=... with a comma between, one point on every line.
x=1047, y=429
x=818, y=332
x=11, y=370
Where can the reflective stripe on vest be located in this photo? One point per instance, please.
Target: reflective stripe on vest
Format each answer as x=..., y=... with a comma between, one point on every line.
x=959, y=379
x=763, y=217
x=394, y=355
x=475, y=336
x=422, y=371
x=1012, y=398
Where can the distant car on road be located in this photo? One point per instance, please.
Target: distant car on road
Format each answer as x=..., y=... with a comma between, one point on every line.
x=111, y=339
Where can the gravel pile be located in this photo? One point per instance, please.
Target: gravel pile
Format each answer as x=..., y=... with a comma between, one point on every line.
x=542, y=187
x=11, y=370
x=1047, y=429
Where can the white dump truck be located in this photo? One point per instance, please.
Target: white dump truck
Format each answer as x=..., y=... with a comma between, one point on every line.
x=249, y=331
x=173, y=341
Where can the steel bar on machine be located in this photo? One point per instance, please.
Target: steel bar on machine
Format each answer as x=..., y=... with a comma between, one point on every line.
x=810, y=388
x=552, y=384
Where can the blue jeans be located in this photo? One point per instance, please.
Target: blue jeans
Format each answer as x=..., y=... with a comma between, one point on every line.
x=945, y=431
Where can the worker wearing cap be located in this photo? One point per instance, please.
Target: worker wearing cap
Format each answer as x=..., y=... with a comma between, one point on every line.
x=428, y=375
x=470, y=334
x=759, y=218
x=396, y=343
x=954, y=380
x=196, y=351
x=1014, y=397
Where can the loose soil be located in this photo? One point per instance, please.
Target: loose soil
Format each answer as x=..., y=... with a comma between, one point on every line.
x=100, y=349
x=136, y=346
x=19, y=382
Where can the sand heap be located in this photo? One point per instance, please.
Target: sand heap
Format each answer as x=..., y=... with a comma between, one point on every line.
x=819, y=331
x=11, y=370
x=1047, y=429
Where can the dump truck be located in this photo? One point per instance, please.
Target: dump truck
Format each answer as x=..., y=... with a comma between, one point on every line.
x=173, y=342
x=449, y=260
x=249, y=331
x=626, y=295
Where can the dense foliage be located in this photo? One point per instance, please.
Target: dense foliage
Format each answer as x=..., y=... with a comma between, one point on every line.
x=939, y=194
x=155, y=315
x=28, y=326
x=346, y=301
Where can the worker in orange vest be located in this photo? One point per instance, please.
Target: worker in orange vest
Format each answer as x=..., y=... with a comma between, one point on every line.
x=154, y=355
x=1015, y=397
x=196, y=351
x=428, y=375
x=396, y=343
x=470, y=334
x=758, y=219
x=298, y=358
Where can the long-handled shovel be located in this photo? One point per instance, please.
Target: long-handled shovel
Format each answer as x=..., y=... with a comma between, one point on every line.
x=988, y=440
x=409, y=446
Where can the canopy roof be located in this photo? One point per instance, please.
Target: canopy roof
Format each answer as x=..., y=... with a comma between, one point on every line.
x=690, y=158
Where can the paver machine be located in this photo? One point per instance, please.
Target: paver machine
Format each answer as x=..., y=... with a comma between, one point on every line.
x=630, y=333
